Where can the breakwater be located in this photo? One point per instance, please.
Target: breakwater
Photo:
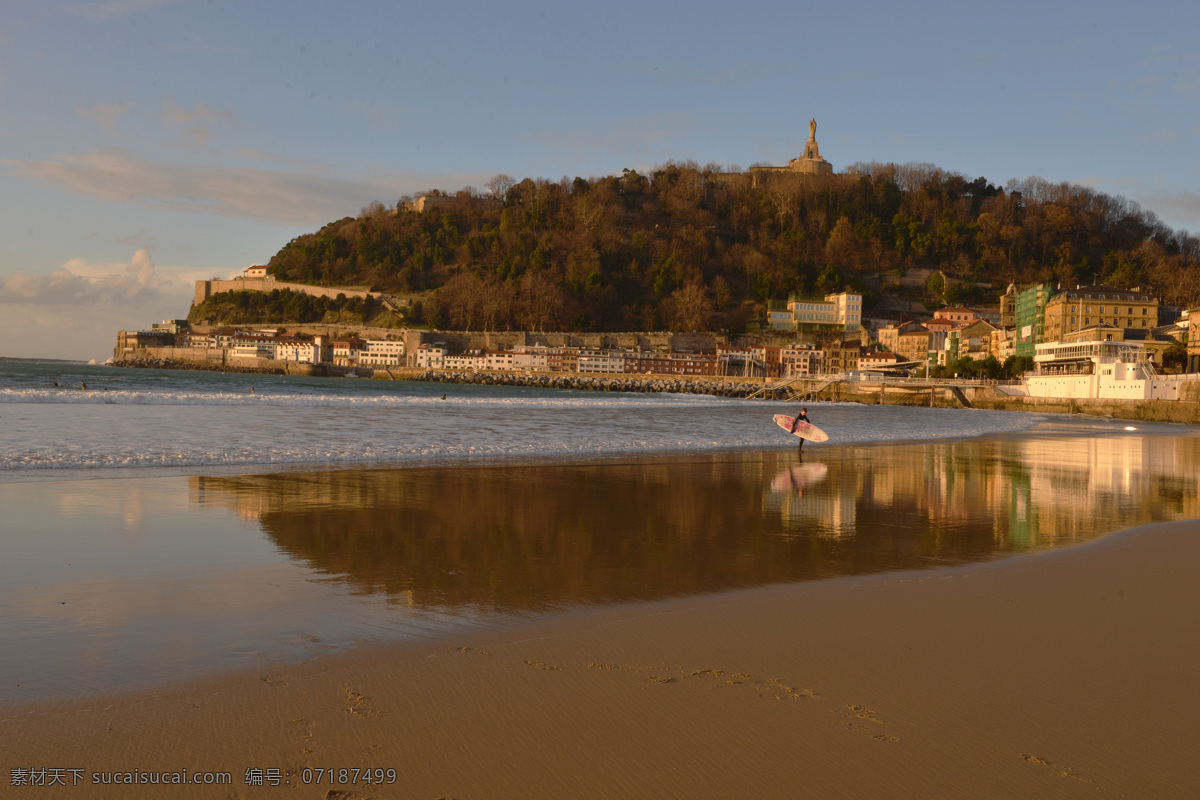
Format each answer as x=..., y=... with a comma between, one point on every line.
x=602, y=383
x=267, y=368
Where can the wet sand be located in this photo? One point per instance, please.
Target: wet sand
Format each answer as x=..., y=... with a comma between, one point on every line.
x=827, y=658
x=1063, y=674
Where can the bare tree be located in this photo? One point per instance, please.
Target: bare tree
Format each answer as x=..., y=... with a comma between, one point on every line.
x=499, y=186
x=541, y=300
x=688, y=307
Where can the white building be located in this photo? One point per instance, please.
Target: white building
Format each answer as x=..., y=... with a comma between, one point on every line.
x=499, y=360
x=1106, y=370
x=253, y=346
x=382, y=353
x=531, y=357
x=429, y=356
x=600, y=361
x=466, y=362
x=841, y=311
x=300, y=351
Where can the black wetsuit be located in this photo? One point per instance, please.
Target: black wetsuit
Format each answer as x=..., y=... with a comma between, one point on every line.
x=801, y=417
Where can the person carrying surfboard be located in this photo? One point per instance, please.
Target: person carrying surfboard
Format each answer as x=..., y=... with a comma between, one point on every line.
x=801, y=417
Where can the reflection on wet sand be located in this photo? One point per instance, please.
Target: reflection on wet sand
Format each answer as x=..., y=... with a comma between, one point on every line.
x=536, y=536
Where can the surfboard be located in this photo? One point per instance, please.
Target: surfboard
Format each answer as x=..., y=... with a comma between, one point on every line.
x=805, y=430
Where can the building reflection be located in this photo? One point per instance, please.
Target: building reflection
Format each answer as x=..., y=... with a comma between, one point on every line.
x=524, y=537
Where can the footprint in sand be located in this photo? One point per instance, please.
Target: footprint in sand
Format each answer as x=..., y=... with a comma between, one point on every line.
x=356, y=703
x=867, y=715
x=1058, y=769
x=465, y=650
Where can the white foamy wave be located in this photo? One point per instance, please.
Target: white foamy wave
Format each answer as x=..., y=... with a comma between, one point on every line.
x=153, y=420
x=292, y=399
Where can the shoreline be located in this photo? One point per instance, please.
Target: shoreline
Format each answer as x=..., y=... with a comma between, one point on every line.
x=1061, y=674
x=984, y=398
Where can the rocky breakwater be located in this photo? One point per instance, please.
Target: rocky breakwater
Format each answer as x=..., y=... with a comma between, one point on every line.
x=199, y=366
x=596, y=383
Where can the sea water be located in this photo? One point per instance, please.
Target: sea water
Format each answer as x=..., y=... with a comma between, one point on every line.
x=146, y=421
x=161, y=525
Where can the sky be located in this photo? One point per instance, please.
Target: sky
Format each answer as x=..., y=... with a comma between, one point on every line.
x=145, y=144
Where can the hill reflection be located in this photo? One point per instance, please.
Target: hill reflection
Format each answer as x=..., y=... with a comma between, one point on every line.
x=524, y=537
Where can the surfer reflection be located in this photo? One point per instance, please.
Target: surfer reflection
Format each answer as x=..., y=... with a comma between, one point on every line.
x=797, y=479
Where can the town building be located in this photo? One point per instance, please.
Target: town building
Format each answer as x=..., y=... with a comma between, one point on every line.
x=428, y=356
x=346, y=351
x=1075, y=309
x=908, y=340
x=382, y=353
x=841, y=356
x=1101, y=368
x=800, y=359
x=1003, y=343
x=877, y=359
x=972, y=340
x=1030, y=318
x=840, y=312
x=302, y=350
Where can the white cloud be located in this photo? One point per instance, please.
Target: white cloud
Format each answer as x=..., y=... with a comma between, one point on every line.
x=78, y=282
x=107, y=116
x=302, y=195
x=78, y=309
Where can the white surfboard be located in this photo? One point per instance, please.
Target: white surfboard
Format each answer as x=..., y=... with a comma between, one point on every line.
x=805, y=430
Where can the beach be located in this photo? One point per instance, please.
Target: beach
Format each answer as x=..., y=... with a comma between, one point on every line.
x=1063, y=674
x=366, y=590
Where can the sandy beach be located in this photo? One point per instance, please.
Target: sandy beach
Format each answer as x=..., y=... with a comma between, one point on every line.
x=1062, y=674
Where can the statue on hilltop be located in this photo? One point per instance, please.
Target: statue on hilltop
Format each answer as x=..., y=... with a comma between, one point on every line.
x=812, y=129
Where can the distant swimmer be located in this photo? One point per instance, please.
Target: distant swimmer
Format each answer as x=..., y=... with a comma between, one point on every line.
x=56, y=384
x=443, y=397
x=251, y=390
x=83, y=386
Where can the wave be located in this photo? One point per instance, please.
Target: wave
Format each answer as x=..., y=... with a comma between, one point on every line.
x=356, y=400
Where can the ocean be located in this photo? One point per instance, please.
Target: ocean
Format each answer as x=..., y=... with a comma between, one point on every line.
x=144, y=421
x=159, y=526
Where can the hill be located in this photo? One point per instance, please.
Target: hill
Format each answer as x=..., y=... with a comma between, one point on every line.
x=691, y=248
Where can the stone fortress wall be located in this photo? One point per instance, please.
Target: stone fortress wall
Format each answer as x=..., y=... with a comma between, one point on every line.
x=206, y=289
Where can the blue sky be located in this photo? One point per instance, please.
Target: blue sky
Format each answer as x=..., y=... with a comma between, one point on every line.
x=148, y=143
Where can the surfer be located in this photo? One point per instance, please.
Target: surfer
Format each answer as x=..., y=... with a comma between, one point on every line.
x=801, y=417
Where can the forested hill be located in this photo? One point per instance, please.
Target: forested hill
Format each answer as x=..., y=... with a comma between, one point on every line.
x=691, y=248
